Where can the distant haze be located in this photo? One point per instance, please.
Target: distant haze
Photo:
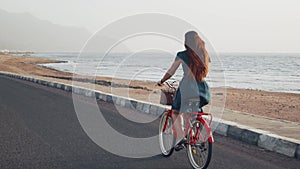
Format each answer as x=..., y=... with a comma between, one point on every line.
x=231, y=25
x=27, y=33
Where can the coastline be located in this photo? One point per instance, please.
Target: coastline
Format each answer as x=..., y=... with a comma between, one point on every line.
x=276, y=105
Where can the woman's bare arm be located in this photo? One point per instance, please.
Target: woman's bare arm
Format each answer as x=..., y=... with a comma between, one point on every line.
x=171, y=70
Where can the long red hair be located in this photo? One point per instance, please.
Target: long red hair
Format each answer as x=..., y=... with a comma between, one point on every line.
x=199, y=58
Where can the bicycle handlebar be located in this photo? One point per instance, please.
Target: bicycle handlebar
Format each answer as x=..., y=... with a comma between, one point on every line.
x=170, y=85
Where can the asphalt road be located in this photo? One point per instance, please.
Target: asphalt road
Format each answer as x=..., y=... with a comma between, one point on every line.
x=39, y=129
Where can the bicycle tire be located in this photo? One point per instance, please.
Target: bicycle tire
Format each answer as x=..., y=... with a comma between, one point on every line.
x=200, y=152
x=166, y=136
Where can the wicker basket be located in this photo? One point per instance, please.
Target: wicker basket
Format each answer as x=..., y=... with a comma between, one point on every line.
x=167, y=96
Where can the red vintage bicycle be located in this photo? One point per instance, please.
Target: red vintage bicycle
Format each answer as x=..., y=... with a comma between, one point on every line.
x=198, y=132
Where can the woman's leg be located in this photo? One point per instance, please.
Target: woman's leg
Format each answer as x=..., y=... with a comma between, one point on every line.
x=177, y=116
x=178, y=124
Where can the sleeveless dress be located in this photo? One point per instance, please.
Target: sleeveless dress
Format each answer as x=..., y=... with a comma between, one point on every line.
x=189, y=87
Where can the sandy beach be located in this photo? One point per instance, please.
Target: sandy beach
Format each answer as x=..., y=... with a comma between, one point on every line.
x=277, y=105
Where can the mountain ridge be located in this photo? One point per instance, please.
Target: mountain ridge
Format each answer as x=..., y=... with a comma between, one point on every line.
x=23, y=31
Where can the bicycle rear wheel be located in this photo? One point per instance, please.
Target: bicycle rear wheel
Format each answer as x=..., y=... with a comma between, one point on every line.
x=166, y=137
x=199, y=149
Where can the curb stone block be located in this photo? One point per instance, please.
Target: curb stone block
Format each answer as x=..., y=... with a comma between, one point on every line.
x=153, y=109
x=62, y=87
x=298, y=152
x=222, y=128
x=139, y=106
x=243, y=135
x=114, y=99
x=81, y=91
x=97, y=95
x=54, y=85
x=118, y=101
x=44, y=83
x=68, y=88
x=285, y=147
x=103, y=97
x=128, y=104
x=133, y=104
x=109, y=99
x=88, y=93
x=234, y=132
x=58, y=85
x=146, y=108
x=123, y=102
x=76, y=90
x=266, y=142
x=278, y=145
x=160, y=110
x=51, y=84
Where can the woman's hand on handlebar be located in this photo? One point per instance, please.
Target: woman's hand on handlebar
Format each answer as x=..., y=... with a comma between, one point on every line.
x=159, y=83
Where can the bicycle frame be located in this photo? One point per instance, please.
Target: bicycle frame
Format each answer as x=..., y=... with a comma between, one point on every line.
x=188, y=125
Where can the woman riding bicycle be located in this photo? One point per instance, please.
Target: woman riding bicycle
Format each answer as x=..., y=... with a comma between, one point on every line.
x=195, y=63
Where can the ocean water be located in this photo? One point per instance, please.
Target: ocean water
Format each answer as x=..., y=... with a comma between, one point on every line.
x=277, y=72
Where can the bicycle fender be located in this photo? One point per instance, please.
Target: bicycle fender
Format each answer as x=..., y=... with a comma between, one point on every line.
x=208, y=129
x=211, y=139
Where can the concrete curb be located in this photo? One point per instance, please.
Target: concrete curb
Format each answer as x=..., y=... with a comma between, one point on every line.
x=282, y=145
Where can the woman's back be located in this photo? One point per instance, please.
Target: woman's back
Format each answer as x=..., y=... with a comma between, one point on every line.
x=191, y=87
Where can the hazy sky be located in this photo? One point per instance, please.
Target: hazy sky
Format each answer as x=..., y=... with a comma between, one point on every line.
x=230, y=25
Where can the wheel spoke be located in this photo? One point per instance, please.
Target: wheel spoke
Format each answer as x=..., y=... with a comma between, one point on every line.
x=199, y=152
x=166, y=138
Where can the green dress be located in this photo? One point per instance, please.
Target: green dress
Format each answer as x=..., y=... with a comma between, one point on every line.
x=189, y=88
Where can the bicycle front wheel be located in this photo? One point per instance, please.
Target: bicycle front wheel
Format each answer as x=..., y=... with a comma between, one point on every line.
x=166, y=137
x=199, y=149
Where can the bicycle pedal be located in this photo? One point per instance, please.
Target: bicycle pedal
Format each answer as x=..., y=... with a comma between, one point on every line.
x=179, y=147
